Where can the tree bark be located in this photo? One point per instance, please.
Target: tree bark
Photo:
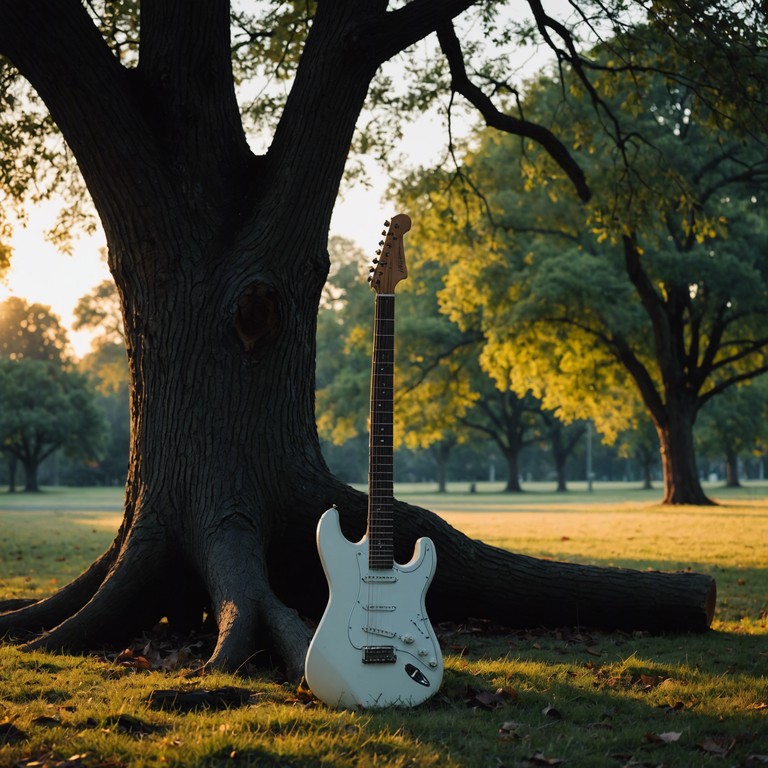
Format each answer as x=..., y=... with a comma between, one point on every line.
x=513, y=471
x=12, y=467
x=681, y=478
x=30, y=465
x=732, y=469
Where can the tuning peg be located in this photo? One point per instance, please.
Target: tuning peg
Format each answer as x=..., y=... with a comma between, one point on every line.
x=376, y=261
x=381, y=242
x=371, y=269
x=386, y=223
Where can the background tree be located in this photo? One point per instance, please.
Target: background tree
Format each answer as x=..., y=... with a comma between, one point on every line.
x=659, y=285
x=31, y=331
x=106, y=366
x=43, y=408
x=641, y=443
x=563, y=439
x=219, y=255
x=734, y=425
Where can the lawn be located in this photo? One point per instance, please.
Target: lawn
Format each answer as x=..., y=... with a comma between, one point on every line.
x=572, y=696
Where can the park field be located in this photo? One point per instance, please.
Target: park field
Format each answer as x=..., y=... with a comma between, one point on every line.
x=569, y=696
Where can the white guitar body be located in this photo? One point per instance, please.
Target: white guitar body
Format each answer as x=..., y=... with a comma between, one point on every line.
x=374, y=646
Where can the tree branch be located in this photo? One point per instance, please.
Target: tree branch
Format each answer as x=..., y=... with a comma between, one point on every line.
x=460, y=82
x=56, y=46
x=185, y=61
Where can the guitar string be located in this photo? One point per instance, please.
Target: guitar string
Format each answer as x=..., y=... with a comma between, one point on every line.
x=381, y=462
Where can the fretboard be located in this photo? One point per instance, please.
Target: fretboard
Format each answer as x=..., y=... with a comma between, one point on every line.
x=380, y=451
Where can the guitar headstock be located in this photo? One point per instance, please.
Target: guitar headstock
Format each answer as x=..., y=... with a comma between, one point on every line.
x=389, y=265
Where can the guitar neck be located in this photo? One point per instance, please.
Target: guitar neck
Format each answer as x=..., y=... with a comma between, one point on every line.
x=380, y=445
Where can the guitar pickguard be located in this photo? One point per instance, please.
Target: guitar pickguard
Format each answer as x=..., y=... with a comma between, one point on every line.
x=374, y=646
x=389, y=610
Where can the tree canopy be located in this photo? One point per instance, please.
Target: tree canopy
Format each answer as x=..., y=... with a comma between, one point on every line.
x=656, y=292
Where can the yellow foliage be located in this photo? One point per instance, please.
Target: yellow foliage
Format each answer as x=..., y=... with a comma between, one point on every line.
x=336, y=429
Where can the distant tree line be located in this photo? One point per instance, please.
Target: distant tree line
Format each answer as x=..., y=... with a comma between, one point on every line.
x=453, y=423
x=67, y=421
x=62, y=418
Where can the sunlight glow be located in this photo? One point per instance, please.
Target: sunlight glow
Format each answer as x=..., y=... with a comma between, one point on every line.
x=41, y=274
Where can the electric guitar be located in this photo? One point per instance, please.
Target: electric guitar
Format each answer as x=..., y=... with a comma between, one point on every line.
x=374, y=646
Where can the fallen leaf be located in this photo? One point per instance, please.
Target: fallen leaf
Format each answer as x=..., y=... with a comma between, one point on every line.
x=47, y=720
x=753, y=761
x=555, y=714
x=511, y=731
x=478, y=699
x=668, y=737
x=716, y=745
x=54, y=760
x=541, y=759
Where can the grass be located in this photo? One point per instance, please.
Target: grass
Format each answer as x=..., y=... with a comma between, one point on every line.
x=571, y=696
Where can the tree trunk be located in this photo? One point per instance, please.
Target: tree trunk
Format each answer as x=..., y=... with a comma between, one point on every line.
x=732, y=469
x=12, y=467
x=681, y=479
x=513, y=472
x=647, y=466
x=441, y=451
x=560, y=462
x=31, y=465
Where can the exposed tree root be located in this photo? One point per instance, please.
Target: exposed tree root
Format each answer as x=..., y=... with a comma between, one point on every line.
x=44, y=614
x=249, y=616
x=253, y=585
x=122, y=603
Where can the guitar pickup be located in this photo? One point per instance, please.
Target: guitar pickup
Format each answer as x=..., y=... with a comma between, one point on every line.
x=377, y=631
x=369, y=579
x=379, y=654
x=380, y=607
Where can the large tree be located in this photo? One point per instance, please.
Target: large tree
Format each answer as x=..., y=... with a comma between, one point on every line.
x=219, y=256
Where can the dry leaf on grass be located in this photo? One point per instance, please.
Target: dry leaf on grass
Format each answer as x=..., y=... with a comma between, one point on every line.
x=669, y=737
x=475, y=698
x=541, y=759
x=53, y=760
x=716, y=745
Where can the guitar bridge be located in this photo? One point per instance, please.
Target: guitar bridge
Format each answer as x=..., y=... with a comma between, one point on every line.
x=379, y=654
